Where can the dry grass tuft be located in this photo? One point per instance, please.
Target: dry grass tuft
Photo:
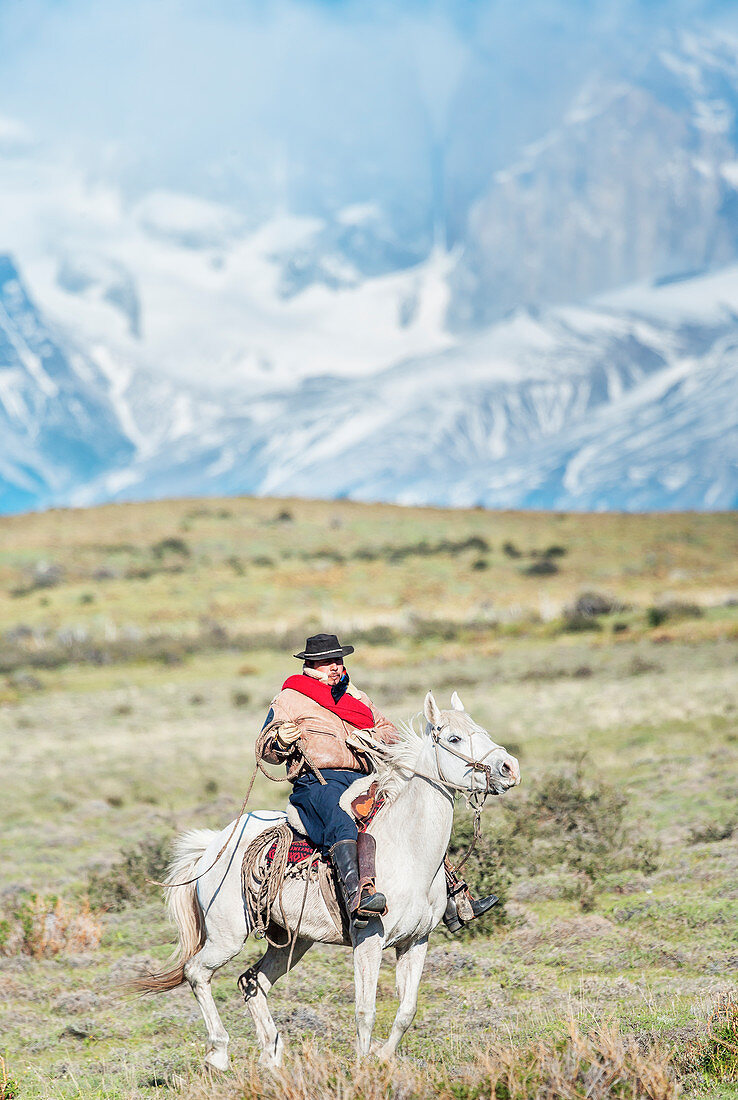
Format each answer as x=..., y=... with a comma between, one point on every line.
x=593, y=1065
x=46, y=926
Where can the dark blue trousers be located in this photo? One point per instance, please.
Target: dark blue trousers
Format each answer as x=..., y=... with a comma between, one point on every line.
x=325, y=821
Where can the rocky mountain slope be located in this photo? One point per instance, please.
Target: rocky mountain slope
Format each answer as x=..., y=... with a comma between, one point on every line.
x=58, y=424
x=639, y=180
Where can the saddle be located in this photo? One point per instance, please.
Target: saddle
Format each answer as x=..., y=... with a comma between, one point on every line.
x=364, y=807
x=286, y=852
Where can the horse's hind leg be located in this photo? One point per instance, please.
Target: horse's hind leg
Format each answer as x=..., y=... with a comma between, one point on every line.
x=259, y=980
x=409, y=969
x=199, y=972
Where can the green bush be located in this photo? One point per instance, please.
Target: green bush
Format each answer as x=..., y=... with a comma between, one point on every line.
x=714, y=1055
x=574, y=623
x=173, y=544
x=128, y=880
x=510, y=550
x=377, y=635
x=672, y=611
x=713, y=831
x=592, y=603
x=571, y=822
x=542, y=567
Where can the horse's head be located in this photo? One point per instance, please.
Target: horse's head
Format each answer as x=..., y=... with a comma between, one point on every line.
x=467, y=756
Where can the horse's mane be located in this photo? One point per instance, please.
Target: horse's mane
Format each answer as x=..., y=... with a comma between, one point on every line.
x=399, y=759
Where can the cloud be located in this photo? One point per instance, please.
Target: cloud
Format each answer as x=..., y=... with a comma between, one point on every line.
x=309, y=103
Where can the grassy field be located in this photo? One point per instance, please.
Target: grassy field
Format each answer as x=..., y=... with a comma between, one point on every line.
x=139, y=647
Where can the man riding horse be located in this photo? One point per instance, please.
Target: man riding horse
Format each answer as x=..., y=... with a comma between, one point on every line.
x=311, y=727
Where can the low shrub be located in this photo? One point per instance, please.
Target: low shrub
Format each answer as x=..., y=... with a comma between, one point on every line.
x=128, y=881
x=574, y=622
x=377, y=635
x=364, y=553
x=42, y=575
x=422, y=549
x=593, y=603
x=541, y=567
x=711, y=832
x=572, y=822
x=671, y=611
x=46, y=926
x=145, y=572
x=510, y=550
x=641, y=665
x=173, y=544
x=240, y=698
x=713, y=1056
x=445, y=629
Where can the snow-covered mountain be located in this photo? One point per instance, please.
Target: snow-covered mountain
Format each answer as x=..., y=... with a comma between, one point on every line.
x=58, y=425
x=628, y=403
x=576, y=348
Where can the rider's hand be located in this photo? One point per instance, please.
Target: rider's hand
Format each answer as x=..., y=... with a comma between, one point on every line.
x=286, y=735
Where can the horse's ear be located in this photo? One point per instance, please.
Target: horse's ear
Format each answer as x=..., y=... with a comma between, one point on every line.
x=456, y=703
x=430, y=710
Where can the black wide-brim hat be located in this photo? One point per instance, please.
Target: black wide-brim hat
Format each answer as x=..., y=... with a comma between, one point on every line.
x=322, y=647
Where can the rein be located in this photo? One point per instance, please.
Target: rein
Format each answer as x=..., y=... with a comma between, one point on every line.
x=475, y=800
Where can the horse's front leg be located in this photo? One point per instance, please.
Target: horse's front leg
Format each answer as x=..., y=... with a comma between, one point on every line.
x=409, y=970
x=368, y=947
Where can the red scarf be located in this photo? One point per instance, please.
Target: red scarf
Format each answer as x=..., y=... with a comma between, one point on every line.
x=348, y=708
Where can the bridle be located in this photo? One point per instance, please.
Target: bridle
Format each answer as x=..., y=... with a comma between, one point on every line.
x=475, y=799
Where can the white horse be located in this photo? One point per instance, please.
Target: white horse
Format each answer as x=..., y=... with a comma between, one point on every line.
x=420, y=778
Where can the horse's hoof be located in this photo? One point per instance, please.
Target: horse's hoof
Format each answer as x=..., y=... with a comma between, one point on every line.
x=267, y=1061
x=379, y=1050
x=217, y=1060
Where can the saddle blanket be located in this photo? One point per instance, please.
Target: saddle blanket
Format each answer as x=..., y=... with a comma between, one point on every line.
x=365, y=808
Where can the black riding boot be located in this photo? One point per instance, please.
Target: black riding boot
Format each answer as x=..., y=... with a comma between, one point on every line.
x=360, y=903
x=461, y=907
x=454, y=920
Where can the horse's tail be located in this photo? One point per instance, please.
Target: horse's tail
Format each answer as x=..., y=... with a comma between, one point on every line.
x=184, y=911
